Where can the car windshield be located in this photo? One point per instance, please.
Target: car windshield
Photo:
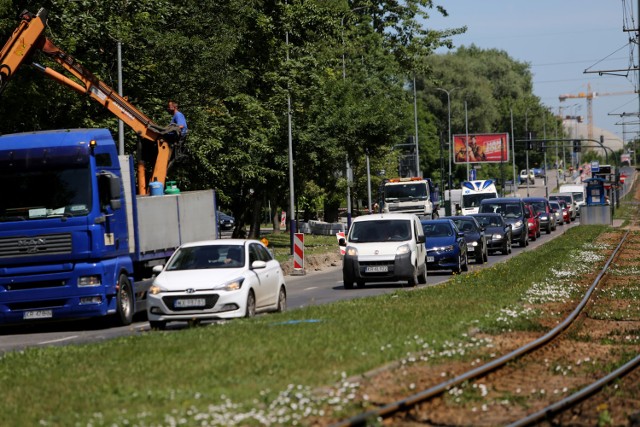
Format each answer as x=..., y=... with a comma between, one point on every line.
x=408, y=191
x=207, y=257
x=578, y=197
x=489, y=220
x=539, y=206
x=465, y=225
x=442, y=229
x=473, y=200
x=396, y=230
x=507, y=210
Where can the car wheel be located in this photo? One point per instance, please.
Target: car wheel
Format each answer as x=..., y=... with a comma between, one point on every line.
x=465, y=263
x=422, y=278
x=282, y=300
x=413, y=280
x=534, y=237
x=479, y=257
x=348, y=282
x=360, y=283
x=509, y=247
x=485, y=254
x=251, y=305
x=458, y=268
x=548, y=229
x=157, y=325
x=124, y=302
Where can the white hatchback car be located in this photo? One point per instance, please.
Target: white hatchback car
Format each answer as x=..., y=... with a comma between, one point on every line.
x=216, y=279
x=384, y=247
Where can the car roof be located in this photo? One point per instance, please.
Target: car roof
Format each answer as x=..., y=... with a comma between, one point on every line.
x=486, y=214
x=436, y=221
x=219, y=242
x=381, y=216
x=534, y=199
x=501, y=200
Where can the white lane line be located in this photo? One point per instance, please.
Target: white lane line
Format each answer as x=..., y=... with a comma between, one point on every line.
x=313, y=287
x=59, y=340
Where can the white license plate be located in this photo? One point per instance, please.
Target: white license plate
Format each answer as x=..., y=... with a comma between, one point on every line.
x=38, y=314
x=469, y=248
x=430, y=259
x=191, y=302
x=376, y=269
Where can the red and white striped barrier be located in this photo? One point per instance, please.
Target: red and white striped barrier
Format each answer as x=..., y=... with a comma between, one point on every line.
x=340, y=235
x=298, y=253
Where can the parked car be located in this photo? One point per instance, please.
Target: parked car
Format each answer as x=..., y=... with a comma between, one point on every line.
x=474, y=235
x=568, y=199
x=541, y=207
x=384, y=247
x=558, y=212
x=446, y=246
x=514, y=213
x=538, y=172
x=216, y=279
x=524, y=175
x=533, y=222
x=498, y=232
x=225, y=222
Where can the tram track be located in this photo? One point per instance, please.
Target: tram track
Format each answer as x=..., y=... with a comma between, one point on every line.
x=525, y=375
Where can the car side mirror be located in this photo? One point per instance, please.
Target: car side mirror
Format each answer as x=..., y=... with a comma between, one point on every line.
x=257, y=264
x=460, y=234
x=157, y=269
x=420, y=238
x=342, y=242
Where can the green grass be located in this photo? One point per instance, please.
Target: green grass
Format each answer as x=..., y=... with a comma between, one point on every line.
x=280, y=244
x=160, y=378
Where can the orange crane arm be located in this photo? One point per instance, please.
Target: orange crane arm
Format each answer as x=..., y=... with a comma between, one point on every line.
x=30, y=36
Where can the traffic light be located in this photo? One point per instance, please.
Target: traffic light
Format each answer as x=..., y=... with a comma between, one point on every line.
x=576, y=146
x=542, y=146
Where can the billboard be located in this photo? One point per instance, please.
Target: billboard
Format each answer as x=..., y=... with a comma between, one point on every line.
x=482, y=148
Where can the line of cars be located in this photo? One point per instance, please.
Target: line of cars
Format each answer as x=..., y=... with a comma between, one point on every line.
x=500, y=223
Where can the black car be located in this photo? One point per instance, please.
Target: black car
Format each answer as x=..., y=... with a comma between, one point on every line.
x=513, y=211
x=498, y=232
x=225, y=222
x=474, y=235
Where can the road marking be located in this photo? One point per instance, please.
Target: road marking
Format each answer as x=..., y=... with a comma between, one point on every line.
x=59, y=340
x=313, y=287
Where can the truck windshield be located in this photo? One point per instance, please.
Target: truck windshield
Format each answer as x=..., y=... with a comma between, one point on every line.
x=46, y=193
x=473, y=200
x=408, y=191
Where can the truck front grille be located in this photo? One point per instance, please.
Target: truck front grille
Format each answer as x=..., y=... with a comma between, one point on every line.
x=46, y=244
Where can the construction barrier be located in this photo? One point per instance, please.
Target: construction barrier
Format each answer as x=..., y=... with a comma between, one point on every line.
x=298, y=253
x=340, y=235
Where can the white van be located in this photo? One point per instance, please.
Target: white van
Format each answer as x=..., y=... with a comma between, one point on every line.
x=579, y=192
x=384, y=248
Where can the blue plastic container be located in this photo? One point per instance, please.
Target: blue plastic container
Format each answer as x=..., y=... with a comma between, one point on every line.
x=157, y=189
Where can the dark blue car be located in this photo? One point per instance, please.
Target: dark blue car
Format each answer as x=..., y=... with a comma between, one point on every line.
x=498, y=232
x=446, y=246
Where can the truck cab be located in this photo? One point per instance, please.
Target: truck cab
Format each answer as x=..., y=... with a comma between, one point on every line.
x=409, y=195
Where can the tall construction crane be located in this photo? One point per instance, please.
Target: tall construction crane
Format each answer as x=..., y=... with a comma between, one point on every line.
x=589, y=95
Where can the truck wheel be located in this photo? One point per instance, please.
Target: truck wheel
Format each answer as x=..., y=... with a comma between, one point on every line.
x=250, y=311
x=157, y=325
x=124, y=309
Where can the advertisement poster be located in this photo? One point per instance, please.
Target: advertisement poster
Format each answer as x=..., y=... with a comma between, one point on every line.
x=482, y=148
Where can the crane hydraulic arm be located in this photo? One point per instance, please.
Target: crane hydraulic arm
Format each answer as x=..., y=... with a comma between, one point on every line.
x=29, y=37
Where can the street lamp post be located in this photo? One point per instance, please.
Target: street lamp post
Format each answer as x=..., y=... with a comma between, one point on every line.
x=447, y=207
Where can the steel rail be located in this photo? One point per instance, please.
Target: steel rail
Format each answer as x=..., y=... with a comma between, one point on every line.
x=578, y=396
x=410, y=401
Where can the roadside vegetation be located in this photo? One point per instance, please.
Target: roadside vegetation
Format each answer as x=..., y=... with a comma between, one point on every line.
x=286, y=368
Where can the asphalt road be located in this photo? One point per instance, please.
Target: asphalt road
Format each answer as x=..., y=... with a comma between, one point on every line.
x=311, y=289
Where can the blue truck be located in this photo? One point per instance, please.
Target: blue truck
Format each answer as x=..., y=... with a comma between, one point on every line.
x=75, y=239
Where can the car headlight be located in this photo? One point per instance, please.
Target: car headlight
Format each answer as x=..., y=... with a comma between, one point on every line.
x=544, y=217
x=404, y=249
x=496, y=237
x=474, y=244
x=351, y=251
x=441, y=249
x=155, y=289
x=518, y=224
x=233, y=285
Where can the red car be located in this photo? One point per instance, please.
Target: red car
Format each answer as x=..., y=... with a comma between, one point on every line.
x=566, y=211
x=533, y=222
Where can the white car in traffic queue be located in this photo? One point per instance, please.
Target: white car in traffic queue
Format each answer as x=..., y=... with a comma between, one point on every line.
x=216, y=279
x=384, y=247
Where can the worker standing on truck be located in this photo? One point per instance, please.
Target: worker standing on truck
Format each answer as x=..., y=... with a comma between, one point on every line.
x=177, y=117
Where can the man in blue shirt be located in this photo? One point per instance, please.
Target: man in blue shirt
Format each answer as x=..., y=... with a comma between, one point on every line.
x=178, y=117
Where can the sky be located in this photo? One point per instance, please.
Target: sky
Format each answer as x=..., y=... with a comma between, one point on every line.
x=560, y=39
